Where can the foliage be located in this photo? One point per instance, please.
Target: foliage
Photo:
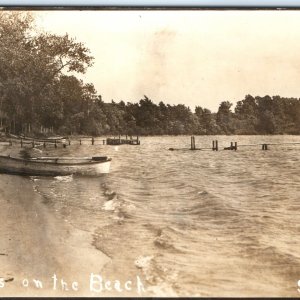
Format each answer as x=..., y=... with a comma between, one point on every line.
x=40, y=92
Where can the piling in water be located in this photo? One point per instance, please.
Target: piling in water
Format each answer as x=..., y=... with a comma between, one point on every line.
x=193, y=145
x=215, y=145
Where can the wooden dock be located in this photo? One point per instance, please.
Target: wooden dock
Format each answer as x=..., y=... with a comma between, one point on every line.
x=36, y=142
x=120, y=141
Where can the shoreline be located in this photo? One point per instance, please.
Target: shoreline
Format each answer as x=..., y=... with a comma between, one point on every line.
x=36, y=245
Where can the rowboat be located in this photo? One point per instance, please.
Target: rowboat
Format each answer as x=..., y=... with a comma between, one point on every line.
x=55, y=166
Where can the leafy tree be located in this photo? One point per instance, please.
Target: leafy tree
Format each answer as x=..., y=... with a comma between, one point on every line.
x=32, y=64
x=224, y=117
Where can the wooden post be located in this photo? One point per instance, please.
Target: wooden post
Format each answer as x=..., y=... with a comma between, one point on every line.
x=217, y=146
x=80, y=142
x=93, y=140
x=264, y=147
x=231, y=145
x=126, y=137
x=103, y=142
x=235, y=146
x=213, y=145
x=33, y=145
x=44, y=144
x=69, y=142
x=193, y=144
x=137, y=139
x=55, y=145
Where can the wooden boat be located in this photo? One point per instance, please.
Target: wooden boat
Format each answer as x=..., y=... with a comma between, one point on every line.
x=55, y=166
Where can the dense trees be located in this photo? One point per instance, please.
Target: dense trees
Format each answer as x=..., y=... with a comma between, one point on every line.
x=32, y=66
x=39, y=92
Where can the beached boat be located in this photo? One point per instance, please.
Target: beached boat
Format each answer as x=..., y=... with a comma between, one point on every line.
x=55, y=166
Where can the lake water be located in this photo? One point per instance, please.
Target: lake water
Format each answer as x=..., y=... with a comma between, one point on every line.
x=191, y=223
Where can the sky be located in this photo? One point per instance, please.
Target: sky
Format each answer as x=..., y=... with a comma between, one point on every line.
x=196, y=58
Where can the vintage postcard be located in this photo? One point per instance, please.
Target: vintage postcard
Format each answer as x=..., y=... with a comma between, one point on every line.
x=149, y=153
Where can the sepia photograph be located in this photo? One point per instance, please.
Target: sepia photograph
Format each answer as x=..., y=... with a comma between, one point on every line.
x=149, y=152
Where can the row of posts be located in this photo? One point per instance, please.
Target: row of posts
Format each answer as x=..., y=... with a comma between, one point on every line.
x=55, y=143
x=69, y=142
x=215, y=146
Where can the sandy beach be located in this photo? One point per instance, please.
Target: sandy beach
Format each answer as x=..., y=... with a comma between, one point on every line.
x=35, y=245
x=45, y=254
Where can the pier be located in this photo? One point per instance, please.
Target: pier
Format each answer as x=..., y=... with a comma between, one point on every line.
x=66, y=141
x=120, y=141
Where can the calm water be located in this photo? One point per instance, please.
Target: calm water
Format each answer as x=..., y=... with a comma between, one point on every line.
x=197, y=223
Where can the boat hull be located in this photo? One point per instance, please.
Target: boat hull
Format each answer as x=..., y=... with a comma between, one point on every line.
x=53, y=168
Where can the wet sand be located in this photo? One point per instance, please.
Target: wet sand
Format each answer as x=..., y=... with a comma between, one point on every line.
x=36, y=245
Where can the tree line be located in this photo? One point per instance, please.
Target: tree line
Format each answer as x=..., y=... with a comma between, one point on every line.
x=40, y=93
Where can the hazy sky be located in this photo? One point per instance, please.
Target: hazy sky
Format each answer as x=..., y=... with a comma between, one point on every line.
x=191, y=57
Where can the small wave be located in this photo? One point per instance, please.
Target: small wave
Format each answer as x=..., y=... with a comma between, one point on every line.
x=67, y=178
x=34, y=178
x=159, y=278
x=110, y=205
x=131, y=206
x=110, y=194
x=143, y=262
x=202, y=193
x=163, y=242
